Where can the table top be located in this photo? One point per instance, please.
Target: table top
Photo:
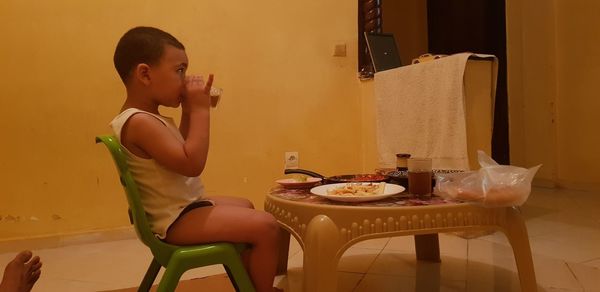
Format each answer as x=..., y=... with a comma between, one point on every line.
x=400, y=200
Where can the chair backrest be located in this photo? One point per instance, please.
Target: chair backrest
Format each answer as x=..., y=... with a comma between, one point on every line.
x=138, y=215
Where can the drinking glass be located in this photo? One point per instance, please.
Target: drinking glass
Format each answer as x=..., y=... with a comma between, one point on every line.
x=215, y=96
x=419, y=176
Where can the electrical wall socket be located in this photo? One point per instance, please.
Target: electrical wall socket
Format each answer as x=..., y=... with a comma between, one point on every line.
x=339, y=50
x=291, y=160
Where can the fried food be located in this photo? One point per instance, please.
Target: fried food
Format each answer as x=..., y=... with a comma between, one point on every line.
x=358, y=189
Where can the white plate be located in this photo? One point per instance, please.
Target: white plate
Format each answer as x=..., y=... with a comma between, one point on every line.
x=390, y=190
x=291, y=183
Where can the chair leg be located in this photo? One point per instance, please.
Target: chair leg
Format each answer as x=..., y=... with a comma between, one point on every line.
x=231, y=279
x=150, y=276
x=170, y=278
x=238, y=275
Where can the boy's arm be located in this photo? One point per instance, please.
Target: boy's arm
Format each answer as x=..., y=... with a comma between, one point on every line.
x=153, y=138
x=184, y=124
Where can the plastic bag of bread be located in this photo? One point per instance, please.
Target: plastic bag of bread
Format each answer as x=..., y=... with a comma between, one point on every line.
x=493, y=185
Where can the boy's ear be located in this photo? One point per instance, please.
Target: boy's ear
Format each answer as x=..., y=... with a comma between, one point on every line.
x=142, y=73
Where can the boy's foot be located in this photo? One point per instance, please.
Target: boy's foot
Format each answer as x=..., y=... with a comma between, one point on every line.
x=21, y=273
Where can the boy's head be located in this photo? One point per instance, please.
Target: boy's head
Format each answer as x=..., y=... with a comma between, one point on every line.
x=141, y=45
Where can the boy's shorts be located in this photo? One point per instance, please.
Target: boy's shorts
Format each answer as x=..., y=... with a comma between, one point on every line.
x=196, y=204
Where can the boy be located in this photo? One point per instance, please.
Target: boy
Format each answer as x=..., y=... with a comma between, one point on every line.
x=166, y=160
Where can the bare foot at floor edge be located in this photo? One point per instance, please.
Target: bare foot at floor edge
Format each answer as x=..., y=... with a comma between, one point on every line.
x=21, y=273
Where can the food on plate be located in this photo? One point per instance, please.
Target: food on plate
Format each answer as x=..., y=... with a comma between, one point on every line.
x=358, y=189
x=299, y=178
x=298, y=182
x=366, y=178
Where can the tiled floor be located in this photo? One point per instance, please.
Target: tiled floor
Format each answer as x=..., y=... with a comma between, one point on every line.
x=564, y=231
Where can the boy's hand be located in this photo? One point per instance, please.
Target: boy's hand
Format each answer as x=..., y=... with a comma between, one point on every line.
x=196, y=92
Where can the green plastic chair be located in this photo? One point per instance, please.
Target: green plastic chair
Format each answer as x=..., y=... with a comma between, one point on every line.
x=175, y=259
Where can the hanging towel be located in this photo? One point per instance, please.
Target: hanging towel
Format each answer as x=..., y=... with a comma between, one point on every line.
x=420, y=109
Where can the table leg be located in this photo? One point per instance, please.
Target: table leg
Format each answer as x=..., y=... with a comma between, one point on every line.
x=428, y=276
x=428, y=247
x=284, y=249
x=516, y=232
x=321, y=244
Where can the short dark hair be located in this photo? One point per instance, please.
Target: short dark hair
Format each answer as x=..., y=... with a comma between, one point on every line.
x=141, y=45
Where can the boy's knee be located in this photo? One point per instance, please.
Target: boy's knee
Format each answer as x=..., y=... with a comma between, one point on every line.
x=247, y=203
x=269, y=225
x=242, y=202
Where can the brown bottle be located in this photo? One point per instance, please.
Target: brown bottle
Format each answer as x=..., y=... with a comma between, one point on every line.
x=402, y=169
x=402, y=161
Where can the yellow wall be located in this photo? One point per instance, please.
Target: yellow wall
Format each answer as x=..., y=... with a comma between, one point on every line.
x=578, y=64
x=532, y=85
x=283, y=91
x=553, y=69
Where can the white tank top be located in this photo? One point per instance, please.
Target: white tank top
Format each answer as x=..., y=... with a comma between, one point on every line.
x=164, y=193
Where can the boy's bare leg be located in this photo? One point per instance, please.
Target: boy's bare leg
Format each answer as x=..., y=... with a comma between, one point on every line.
x=235, y=202
x=234, y=224
x=21, y=273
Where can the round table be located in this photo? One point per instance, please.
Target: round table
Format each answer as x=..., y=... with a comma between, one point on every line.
x=325, y=229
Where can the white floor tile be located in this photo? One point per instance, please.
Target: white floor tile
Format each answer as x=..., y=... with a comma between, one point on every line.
x=405, y=265
x=492, y=254
x=453, y=246
x=555, y=273
x=357, y=260
x=388, y=283
x=385, y=283
x=378, y=243
x=401, y=243
x=483, y=277
x=593, y=263
x=294, y=279
x=347, y=282
x=294, y=247
x=296, y=261
x=583, y=245
x=588, y=277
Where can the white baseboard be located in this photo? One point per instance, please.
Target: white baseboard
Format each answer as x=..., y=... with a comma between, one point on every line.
x=564, y=184
x=544, y=183
x=60, y=240
x=578, y=186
